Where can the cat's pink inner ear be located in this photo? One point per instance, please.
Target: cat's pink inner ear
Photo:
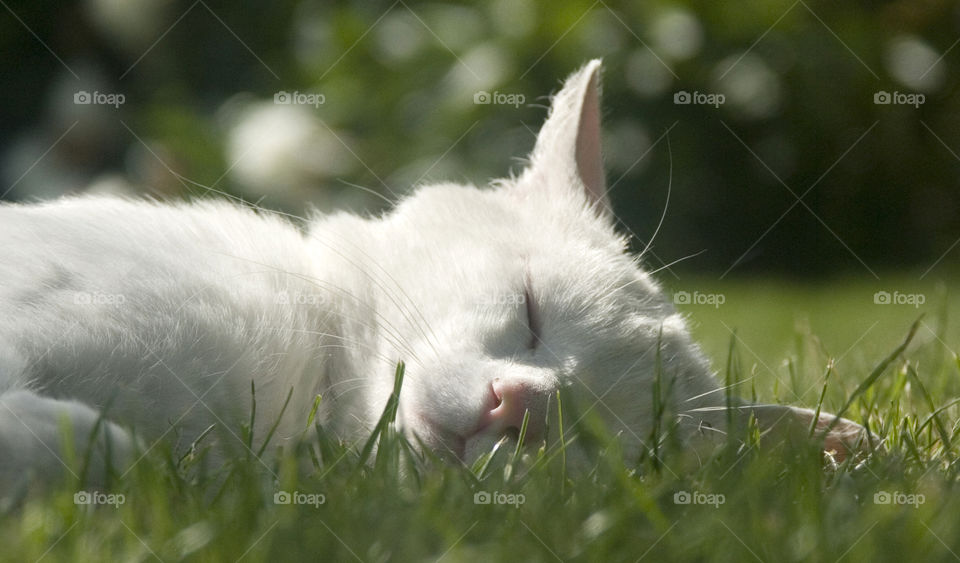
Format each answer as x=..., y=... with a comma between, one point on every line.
x=569, y=144
x=589, y=154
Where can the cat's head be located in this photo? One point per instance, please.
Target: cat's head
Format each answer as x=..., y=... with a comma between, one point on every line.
x=498, y=297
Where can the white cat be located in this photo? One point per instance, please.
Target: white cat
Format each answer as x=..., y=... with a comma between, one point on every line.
x=159, y=316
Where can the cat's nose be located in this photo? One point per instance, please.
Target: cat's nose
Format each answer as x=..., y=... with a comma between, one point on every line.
x=511, y=400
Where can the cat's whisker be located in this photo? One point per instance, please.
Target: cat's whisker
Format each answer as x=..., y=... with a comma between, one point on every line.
x=240, y=201
x=399, y=288
x=611, y=289
x=666, y=204
x=718, y=390
x=370, y=349
x=345, y=347
x=355, y=344
x=700, y=425
x=351, y=390
x=403, y=310
x=381, y=322
x=350, y=380
x=371, y=191
x=392, y=331
x=678, y=260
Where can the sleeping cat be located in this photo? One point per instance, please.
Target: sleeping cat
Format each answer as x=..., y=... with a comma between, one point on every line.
x=159, y=316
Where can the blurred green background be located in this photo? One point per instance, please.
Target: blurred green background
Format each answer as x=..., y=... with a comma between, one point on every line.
x=397, y=82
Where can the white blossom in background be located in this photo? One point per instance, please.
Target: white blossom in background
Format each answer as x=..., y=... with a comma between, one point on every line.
x=457, y=27
x=132, y=24
x=112, y=184
x=601, y=34
x=283, y=149
x=676, y=34
x=399, y=37
x=485, y=67
x=515, y=18
x=646, y=75
x=751, y=88
x=914, y=63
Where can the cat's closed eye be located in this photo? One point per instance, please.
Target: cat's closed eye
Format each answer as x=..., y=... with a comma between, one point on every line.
x=533, y=320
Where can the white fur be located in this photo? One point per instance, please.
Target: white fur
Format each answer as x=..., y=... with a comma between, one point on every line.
x=161, y=315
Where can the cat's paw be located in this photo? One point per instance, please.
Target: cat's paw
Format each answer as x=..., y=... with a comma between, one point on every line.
x=841, y=438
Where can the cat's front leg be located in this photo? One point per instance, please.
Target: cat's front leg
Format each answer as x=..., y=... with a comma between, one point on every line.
x=840, y=437
x=36, y=433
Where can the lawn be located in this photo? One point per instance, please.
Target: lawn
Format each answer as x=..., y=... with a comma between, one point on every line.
x=740, y=503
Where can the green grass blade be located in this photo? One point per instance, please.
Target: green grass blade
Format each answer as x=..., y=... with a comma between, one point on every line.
x=521, y=437
x=276, y=423
x=389, y=414
x=875, y=374
x=823, y=394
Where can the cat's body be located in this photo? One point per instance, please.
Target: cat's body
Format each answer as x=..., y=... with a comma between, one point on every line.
x=161, y=316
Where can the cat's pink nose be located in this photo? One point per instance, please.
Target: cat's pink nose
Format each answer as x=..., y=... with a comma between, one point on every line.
x=512, y=400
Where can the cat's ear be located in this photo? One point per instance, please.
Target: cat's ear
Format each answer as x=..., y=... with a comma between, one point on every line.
x=569, y=142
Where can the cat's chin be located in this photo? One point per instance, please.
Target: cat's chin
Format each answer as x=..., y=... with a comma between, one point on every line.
x=463, y=444
x=474, y=447
x=445, y=443
x=456, y=448
x=483, y=443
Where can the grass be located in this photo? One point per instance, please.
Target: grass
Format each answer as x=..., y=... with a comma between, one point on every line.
x=372, y=502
